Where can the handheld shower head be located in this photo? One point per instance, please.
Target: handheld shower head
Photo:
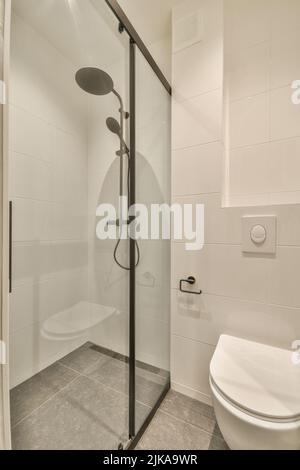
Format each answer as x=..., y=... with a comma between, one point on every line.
x=113, y=126
x=94, y=81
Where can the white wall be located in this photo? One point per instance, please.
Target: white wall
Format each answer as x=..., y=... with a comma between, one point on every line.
x=254, y=297
x=263, y=125
x=48, y=186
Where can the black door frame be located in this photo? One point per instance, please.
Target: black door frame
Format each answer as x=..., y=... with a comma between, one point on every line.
x=132, y=249
x=136, y=39
x=135, y=42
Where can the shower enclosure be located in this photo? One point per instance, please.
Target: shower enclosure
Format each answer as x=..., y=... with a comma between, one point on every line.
x=89, y=121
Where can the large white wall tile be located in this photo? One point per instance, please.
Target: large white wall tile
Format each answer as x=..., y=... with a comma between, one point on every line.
x=285, y=154
x=249, y=121
x=195, y=77
x=211, y=12
x=284, y=17
x=152, y=341
x=247, y=23
x=32, y=178
x=31, y=351
x=233, y=274
x=29, y=135
x=204, y=318
x=285, y=115
x=25, y=223
x=197, y=121
x=248, y=71
x=190, y=263
x=261, y=169
x=283, y=198
x=197, y=170
x=190, y=364
x=32, y=220
x=223, y=270
x=112, y=333
x=59, y=102
x=284, y=277
x=289, y=225
x=221, y=225
x=285, y=66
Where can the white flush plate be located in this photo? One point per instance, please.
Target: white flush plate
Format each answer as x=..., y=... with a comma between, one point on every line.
x=259, y=234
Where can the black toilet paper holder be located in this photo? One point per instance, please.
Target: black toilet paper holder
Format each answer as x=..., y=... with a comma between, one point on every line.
x=191, y=281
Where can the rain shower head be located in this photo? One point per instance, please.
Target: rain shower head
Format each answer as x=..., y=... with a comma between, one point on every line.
x=113, y=126
x=94, y=81
x=97, y=82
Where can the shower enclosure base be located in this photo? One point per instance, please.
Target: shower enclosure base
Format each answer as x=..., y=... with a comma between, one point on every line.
x=81, y=402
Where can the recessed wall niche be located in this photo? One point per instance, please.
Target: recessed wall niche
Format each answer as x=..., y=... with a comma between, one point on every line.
x=261, y=112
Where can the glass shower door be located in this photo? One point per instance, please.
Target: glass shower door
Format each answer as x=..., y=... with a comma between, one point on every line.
x=89, y=317
x=152, y=275
x=69, y=302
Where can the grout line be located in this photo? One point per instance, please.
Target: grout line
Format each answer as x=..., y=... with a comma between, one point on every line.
x=57, y=241
x=47, y=201
x=179, y=196
x=237, y=245
x=211, y=435
x=246, y=301
x=180, y=100
x=212, y=346
x=45, y=120
x=46, y=401
x=193, y=424
x=94, y=380
x=268, y=92
x=37, y=158
x=215, y=141
x=265, y=142
x=183, y=242
x=79, y=375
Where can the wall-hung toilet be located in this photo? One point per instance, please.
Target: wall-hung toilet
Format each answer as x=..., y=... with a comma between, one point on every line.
x=256, y=395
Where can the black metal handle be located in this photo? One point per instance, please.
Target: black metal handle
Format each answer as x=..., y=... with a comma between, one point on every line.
x=10, y=246
x=191, y=281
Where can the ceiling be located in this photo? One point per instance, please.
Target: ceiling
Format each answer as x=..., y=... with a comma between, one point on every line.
x=86, y=32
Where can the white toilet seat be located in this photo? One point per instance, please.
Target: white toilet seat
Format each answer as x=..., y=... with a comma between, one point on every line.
x=256, y=395
x=256, y=416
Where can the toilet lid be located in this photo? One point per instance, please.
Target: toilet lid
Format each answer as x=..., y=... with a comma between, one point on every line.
x=258, y=378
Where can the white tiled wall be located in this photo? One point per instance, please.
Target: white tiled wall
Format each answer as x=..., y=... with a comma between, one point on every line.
x=253, y=297
x=262, y=138
x=48, y=187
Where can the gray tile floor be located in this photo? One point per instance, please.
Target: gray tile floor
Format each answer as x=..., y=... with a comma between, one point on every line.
x=182, y=423
x=81, y=402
